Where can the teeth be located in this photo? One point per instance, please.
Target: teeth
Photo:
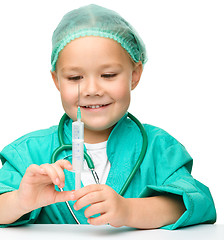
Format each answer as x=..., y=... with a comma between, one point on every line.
x=96, y=106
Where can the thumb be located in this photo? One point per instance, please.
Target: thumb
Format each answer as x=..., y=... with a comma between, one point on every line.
x=64, y=196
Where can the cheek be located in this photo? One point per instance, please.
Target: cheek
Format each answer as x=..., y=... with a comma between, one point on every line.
x=123, y=91
x=68, y=95
x=123, y=96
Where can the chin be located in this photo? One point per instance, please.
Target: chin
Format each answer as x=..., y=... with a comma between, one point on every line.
x=99, y=126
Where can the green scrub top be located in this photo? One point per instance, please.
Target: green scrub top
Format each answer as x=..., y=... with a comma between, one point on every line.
x=165, y=169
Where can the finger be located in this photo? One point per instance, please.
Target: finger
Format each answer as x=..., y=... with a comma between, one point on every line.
x=59, y=166
x=90, y=198
x=64, y=164
x=101, y=220
x=64, y=196
x=51, y=172
x=33, y=169
x=61, y=175
x=88, y=189
x=97, y=208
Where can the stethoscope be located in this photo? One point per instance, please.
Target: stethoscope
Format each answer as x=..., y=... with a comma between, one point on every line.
x=63, y=146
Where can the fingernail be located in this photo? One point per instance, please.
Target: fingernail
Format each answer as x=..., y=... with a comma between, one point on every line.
x=57, y=181
x=73, y=195
x=62, y=185
x=69, y=167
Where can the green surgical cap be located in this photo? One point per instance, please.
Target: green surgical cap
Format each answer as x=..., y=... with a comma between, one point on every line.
x=93, y=20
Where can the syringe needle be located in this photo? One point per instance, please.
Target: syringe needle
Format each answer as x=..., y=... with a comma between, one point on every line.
x=79, y=110
x=79, y=95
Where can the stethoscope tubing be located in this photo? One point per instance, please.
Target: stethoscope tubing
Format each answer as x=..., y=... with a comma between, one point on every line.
x=63, y=146
x=141, y=155
x=70, y=209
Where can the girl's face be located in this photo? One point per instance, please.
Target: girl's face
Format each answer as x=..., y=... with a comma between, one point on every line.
x=106, y=76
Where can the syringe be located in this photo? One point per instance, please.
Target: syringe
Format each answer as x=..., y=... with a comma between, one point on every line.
x=78, y=147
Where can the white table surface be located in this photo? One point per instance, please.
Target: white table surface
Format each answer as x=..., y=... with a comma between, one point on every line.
x=62, y=232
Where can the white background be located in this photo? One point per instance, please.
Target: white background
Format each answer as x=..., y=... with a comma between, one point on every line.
x=181, y=89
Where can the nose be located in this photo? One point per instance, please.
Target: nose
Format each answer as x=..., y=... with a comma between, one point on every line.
x=91, y=87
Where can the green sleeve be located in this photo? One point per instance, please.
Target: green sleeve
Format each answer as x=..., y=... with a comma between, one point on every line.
x=173, y=169
x=11, y=175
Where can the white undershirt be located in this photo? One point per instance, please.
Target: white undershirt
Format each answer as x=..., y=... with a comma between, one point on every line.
x=98, y=154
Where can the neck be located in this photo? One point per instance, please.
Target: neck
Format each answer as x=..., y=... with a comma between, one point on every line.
x=91, y=136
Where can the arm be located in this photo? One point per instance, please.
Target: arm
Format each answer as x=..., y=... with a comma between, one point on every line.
x=36, y=190
x=9, y=208
x=154, y=212
x=160, y=209
x=144, y=213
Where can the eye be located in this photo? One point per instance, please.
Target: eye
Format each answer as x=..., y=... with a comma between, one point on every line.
x=109, y=75
x=75, y=78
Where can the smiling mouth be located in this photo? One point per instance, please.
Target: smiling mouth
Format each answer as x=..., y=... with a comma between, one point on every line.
x=95, y=106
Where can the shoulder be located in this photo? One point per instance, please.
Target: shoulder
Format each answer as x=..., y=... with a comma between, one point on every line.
x=36, y=135
x=31, y=139
x=166, y=145
x=156, y=135
x=155, y=130
x=30, y=147
x=159, y=136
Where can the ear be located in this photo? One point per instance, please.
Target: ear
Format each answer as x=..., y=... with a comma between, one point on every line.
x=55, y=79
x=136, y=74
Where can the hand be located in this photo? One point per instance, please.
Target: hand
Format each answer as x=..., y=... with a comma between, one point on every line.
x=37, y=188
x=105, y=201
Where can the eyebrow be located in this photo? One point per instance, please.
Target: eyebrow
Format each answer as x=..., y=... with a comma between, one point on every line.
x=103, y=66
x=64, y=69
x=111, y=65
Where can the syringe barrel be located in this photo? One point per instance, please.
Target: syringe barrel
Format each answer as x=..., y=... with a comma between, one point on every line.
x=77, y=146
x=78, y=130
x=77, y=154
